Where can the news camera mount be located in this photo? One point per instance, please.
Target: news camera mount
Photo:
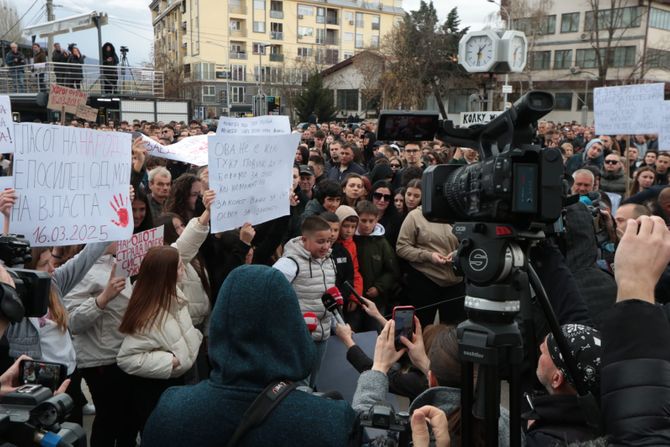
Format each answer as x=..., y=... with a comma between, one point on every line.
x=493, y=258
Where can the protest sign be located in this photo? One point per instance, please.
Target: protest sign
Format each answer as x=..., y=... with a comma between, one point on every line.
x=6, y=126
x=191, y=150
x=628, y=109
x=251, y=176
x=66, y=98
x=664, y=130
x=130, y=253
x=87, y=113
x=470, y=118
x=259, y=125
x=72, y=185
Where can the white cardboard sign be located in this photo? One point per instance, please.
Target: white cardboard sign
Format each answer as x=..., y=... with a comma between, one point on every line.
x=250, y=175
x=72, y=185
x=259, y=125
x=191, y=150
x=628, y=109
x=6, y=126
x=664, y=131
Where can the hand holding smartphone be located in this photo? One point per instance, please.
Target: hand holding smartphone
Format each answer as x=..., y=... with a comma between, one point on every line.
x=50, y=375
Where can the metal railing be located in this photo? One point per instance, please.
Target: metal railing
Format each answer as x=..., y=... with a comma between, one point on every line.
x=93, y=79
x=238, y=55
x=276, y=14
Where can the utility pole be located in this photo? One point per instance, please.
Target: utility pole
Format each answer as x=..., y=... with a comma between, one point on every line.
x=50, y=17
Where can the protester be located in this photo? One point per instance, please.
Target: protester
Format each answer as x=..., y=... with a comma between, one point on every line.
x=110, y=74
x=160, y=181
x=59, y=57
x=76, y=74
x=381, y=196
x=15, y=60
x=142, y=215
x=353, y=189
x=39, y=57
x=643, y=179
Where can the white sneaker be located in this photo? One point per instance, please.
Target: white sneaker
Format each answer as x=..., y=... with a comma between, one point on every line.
x=88, y=409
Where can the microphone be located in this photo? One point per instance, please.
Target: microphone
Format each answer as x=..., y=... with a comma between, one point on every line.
x=331, y=305
x=311, y=320
x=335, y=293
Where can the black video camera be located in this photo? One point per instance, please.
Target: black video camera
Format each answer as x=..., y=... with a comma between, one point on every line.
x=30, y=298
x=382, y=426
x=31, y=415
x=124, y=49
x=516, y=182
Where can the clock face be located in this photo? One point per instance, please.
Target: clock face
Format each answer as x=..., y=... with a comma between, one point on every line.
x=518, y=53
x=479, y=51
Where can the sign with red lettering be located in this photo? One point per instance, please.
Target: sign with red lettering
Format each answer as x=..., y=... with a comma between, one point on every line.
x=130, y=253
x=72, y=185
x=65, y=97
x=87, y=113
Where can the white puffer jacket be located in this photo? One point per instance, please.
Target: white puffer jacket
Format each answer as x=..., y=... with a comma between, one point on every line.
x=149, y=353
x=188, y=245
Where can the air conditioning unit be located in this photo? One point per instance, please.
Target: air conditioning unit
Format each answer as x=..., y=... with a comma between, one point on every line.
x=184, y=45
x=585, y=36
x=575, y=70
x=300, y=16
x=183, y=25
x=351, y=22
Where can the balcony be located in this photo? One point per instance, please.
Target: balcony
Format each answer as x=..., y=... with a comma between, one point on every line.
x=238, y=55
x=242, y=32
x=276, y=35
x=237, y=9
x=276, y=14
x=276, y=58
x=131, y=81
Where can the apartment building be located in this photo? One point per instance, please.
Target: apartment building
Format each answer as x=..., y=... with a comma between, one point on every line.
x=227, y=51
x=562, y=41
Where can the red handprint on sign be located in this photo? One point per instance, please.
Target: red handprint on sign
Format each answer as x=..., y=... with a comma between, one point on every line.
x=121, y=211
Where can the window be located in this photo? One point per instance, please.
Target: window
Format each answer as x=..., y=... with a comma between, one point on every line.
x=259, y=5
x=359, y=40
x=347, y=99
x=208, y=93
x=348, y=37
x=259, y=27
x=374, y=41
x=320, y=15
x=659, y=18
x=562, y=59
x=327, y=57
x=259, y=48
x=265, y=73
x=276, y=31
x=304, y=10
x=348, y=18
x=533, y=26
x=621, y=57
x=238, y=73
x=360, y=20
x=570, y=22
x=589, y=100
x=586, y=58
x=658, y=58
x=305, y=31
x=235, y=25
x=237, y=47
x=628, y=17
x=203, y=71
x=548, y=25
x=457, y=103
x=540, y=60
x=563, y=101
x=237, y=93
x=375, y=22
x=304, y=52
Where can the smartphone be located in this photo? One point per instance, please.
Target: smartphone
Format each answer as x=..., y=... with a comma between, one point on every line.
x=404, y=324
x=50, y=375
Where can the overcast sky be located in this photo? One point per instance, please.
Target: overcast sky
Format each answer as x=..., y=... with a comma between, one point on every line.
x=130, y=21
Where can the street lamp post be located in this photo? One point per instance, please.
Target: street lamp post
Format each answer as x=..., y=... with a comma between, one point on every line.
x=508, y=27
x=585, y=101
x=261, y=97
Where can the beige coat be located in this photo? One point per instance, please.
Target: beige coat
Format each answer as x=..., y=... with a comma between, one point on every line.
x=149, y=354
x=188, y=245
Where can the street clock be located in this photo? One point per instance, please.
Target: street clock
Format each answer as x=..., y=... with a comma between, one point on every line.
x=514, y=50
x=478, y=51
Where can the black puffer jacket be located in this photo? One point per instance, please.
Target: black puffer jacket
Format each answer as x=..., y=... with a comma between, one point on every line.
x=635, y=381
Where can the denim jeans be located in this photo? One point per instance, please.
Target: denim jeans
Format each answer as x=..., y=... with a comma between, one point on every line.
x=18, y=77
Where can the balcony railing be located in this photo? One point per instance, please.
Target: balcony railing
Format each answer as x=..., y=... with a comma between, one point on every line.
x=276, y=58
x=276, y=35
x=92, y=79
x=238, y=55
x=242, y=32
x=276, y=14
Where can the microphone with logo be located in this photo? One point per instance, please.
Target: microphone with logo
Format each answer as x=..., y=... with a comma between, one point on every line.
x=311, y=320
x=330, y=303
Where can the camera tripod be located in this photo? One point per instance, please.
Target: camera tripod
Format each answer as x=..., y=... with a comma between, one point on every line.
x=126, y=66
x=494, y=260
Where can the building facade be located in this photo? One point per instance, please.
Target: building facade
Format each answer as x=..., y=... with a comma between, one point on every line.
x=564, y=40
x=226, y=52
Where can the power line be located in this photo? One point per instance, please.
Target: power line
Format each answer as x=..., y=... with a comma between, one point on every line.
x=19, y=21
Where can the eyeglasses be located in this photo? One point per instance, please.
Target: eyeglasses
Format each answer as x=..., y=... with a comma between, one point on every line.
x=394, y=166
x=380, y=196
x=611, y=162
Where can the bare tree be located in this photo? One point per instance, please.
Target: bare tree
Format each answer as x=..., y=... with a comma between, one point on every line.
x=173, y=74
x=370, y=67
x=10, y=28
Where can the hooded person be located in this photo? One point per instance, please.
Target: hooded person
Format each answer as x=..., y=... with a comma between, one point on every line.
x=257, y=336
x=110, y=74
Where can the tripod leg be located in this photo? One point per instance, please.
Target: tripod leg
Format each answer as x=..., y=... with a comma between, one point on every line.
x=466, y=403
x=492, y=399
x=515, y=406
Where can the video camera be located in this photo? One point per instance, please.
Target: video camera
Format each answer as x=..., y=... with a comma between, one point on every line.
x=30, y=298
x=124, y=49
x=31, y=415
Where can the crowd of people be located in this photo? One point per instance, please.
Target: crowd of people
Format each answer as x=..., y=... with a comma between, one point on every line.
x=217, y=318
x=67, y=69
